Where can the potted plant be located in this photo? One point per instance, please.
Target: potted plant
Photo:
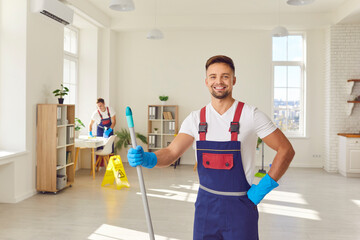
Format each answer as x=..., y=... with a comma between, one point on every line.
x=63, y=91
x=163, y=99
x=78, y=126
x=155, y=130
x=259, y=141
x=124, y=139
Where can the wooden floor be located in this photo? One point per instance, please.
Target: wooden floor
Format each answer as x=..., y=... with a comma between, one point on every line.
x=310, y=204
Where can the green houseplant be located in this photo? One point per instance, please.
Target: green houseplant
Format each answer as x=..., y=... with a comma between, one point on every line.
x=163, y=99
x=124, y=138
x=61, y=92
x=78, y=126
x=259, y=141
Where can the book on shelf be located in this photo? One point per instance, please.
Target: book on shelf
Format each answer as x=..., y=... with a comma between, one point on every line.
x=170, y=115
x=58, y=115
x=171, y=127
x=152, y=112
x=68, y=157
x=152, y=141
x=167, y=115
x=69, y=134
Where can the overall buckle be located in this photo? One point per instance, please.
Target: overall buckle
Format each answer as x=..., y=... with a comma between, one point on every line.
x=235, y=127
x=203, y=127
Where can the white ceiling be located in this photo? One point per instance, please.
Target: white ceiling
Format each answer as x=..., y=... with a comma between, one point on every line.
x=229, y=14
x=205, y=7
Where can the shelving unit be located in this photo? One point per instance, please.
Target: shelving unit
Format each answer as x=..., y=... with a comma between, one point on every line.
x=351, y=84
x=55, y=147
x=164, y=118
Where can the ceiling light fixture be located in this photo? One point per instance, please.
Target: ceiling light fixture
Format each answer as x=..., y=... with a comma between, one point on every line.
x=155, y=33
x=122, y=5
x=279, y=31
x=299, y=2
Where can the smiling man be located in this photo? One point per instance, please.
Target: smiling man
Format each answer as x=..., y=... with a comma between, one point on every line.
x=224, y=134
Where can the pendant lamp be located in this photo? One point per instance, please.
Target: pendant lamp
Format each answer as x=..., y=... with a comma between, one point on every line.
x=122, y=5
x=299, y=2
x=279, y=31
x=155, y=33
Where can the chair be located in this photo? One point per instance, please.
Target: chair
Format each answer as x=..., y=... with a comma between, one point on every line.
x=103, y=154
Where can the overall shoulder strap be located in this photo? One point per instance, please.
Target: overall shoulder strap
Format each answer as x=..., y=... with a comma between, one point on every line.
x=100, y=114
x=203, y=124
x=235, y=125
x=108, y=111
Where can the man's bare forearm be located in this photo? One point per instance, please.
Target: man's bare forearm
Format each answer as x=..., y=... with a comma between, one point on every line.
x=281, y=162
x=168, y=155
x=285, y=153
x=165, y=157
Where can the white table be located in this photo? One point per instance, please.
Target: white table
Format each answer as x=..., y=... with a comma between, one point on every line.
x=84, y=142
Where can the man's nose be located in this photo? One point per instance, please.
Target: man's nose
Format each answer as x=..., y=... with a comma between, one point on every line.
x=219, y=80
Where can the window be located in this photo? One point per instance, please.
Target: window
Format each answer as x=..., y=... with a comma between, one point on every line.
x=71, y=58
x=288, y=67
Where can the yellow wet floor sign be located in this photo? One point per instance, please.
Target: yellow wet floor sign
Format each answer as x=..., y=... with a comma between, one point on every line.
x=115, y=171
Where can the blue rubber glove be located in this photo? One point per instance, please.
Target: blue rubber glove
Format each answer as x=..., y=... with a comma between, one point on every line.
x=107, y=132
x=138, y=157
x=90, y=134
x=257, y=192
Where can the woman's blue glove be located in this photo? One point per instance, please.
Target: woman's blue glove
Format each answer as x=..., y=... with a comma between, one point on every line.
x=107, y=132
x=138, y=157
x=257, y=192
x=90, y=134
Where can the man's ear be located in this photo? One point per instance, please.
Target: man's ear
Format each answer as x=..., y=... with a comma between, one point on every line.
x=234, y=81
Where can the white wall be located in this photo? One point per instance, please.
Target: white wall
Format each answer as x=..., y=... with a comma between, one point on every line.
x=343, y=57
x=31, y=67
x=175, y=66
x=45, y=41
x=12, y=74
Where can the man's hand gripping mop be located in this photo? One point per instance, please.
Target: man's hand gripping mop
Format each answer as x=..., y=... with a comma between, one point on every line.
x=130, y=123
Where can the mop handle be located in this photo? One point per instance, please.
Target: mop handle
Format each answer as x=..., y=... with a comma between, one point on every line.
x=262, y=155
x=130, y=123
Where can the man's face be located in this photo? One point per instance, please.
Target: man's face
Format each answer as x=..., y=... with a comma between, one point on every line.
x=101, y=106
x=220, y=80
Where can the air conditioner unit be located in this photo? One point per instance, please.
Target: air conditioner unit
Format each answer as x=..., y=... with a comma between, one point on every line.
x=54, y=9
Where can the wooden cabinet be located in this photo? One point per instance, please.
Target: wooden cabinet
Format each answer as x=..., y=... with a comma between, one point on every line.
x=55, y=146
x=162, y=125
x=349, y=155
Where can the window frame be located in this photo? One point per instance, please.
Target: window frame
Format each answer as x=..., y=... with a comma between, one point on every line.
x=75, y=58
x=302, y=133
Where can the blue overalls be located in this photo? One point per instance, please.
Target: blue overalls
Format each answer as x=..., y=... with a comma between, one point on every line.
x=222, y=209
x=105, y=122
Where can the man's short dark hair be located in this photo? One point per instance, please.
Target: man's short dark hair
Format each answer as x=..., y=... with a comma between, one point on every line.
x=100, y=100
x=220, y=59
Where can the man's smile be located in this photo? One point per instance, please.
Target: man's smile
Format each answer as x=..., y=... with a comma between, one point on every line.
x=219, y=88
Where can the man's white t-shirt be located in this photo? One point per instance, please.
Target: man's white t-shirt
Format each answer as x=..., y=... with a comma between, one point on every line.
x=253, y=124
x=96, y=116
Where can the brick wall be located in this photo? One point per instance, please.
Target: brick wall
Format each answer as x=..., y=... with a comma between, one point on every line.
x=342, y=63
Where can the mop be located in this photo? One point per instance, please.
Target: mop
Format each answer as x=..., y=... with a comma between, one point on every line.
x=262, y=172
x=130, y=123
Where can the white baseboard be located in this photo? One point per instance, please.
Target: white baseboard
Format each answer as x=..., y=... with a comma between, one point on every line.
x=25, y=196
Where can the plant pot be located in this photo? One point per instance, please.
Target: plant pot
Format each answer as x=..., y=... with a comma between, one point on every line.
x=61, y=100
x=77, y=134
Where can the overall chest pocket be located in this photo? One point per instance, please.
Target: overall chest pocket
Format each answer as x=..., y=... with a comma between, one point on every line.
x=218, y=161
